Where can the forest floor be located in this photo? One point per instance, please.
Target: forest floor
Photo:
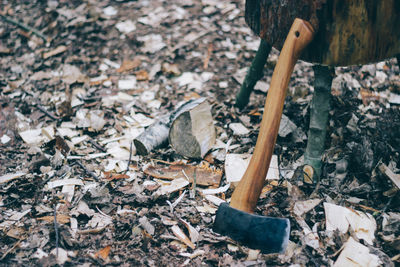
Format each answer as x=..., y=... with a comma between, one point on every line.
x=70, y=107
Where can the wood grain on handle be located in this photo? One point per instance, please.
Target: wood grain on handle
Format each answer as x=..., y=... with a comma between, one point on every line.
x=249, y=188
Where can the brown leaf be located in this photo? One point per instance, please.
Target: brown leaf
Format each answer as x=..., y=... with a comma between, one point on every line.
x=142, y=75
x=115, y=176
x=103, y=253
x=62, y=145
x=61, y=218
x=128, y=65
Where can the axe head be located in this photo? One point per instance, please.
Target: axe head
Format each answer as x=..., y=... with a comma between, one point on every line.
x=270, y=235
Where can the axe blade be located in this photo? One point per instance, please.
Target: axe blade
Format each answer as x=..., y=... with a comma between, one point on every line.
x=270, y=235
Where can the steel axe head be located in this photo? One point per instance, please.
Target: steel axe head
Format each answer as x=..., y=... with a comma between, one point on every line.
x=270, y=235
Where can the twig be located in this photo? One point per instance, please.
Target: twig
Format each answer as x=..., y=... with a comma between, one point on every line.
x=25, y=27
x=130, y=156
x=45, y=111
x=56, y=227
x=96, y=145
x=176, y=202
x=193, y=191
x=92, y=174
x=11, y=249
x=385, y=208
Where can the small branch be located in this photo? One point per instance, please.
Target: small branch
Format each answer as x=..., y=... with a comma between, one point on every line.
x=130, y=156
x=56, y=228
x=11, y=249
x=92, y=174
x=25, y=27
x=44, y=110
x=96, y=145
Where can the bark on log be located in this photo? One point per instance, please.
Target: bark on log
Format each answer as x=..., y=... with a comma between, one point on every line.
x=192, y=133
x=156, y=135
x=348, y=31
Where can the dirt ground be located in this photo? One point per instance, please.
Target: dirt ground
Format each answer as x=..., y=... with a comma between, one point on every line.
x=89, y=76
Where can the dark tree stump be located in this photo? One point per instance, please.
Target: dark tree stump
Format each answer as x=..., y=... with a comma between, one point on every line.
x=348, y=32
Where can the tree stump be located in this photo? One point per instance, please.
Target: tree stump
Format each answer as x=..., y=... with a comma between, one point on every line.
x=348, y=32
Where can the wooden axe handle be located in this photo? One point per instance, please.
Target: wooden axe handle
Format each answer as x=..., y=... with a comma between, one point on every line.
x=249, y=188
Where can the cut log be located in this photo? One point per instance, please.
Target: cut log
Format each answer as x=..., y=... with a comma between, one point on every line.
x=192, y=133
x=347, y=32
x=156, y=135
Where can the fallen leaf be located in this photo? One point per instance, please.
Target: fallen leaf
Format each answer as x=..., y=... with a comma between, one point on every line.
x=142, y=75
x=103, y=253
x=128, y=65
x=115, y=176
x=61, y=218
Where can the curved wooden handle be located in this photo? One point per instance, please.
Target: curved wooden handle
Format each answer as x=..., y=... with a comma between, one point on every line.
x=249, y=188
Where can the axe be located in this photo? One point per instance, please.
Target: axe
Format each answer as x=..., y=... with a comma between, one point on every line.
x=270, y=235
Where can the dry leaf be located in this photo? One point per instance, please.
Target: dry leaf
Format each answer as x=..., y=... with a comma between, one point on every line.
x=115, y=176
x=128, y=65
x=142, y=75
x=61, y=218
x=103, y=253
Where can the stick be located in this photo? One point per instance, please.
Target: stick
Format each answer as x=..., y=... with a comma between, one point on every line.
x=96, y=145
x=45, y=111
x=92, y=174
x=11, y=249
x=25, y=27
x=56, y=228
x=130, y=157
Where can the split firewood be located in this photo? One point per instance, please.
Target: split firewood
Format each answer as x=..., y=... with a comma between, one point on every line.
x=156, y=135
x=192, y=133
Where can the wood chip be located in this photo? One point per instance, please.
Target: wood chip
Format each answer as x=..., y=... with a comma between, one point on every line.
x=56, y=51
x=204, y=175
x=63, y=182
x=10, y=176
x=341, y=218
x=355, y=254
x=182, y=237
x=395, y=178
